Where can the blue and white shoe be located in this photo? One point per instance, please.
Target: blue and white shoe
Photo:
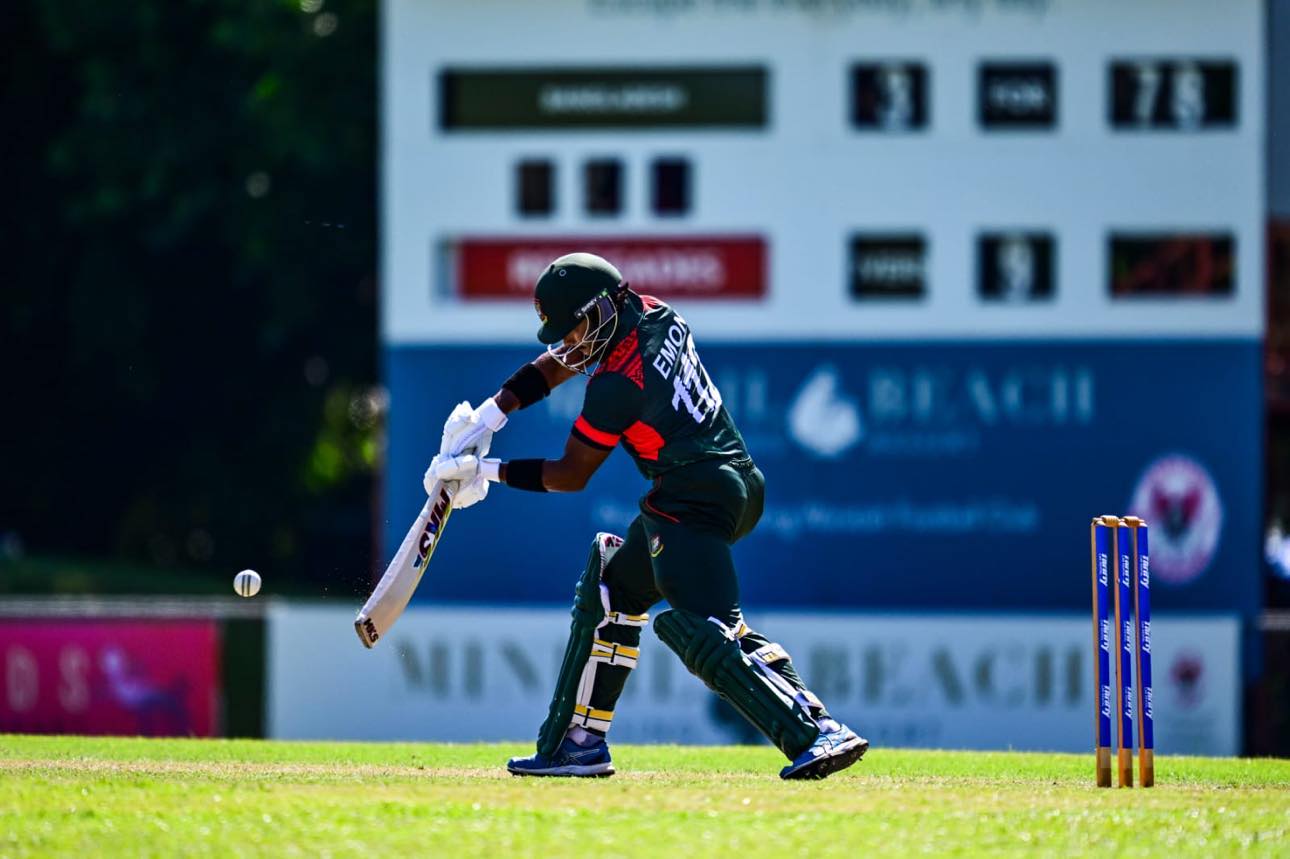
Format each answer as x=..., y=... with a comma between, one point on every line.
x=836, y=748
x=569, y=759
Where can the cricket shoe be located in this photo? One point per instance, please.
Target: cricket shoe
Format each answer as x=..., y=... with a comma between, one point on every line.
x=569, y=759
x=836, y=748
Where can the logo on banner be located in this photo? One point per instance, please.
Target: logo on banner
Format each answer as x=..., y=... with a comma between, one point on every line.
x=1177, y=497
x=1186, y=679
x=821, y=419
x=933, y=409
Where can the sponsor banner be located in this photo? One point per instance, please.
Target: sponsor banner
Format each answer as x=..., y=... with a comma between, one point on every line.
x=668, y=267
x=952, y=681
x=898, y=476
x=144, y=678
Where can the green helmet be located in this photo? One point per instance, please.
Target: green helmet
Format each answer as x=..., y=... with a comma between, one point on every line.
x=569, y=290
x=574, y=288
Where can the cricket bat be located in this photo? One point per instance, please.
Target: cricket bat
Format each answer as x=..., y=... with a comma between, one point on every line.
x=402, y=576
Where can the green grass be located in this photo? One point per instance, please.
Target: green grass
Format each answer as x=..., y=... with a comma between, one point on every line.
x=73, y=796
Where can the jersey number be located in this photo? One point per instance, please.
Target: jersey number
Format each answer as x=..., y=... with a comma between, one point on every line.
x=692, y=387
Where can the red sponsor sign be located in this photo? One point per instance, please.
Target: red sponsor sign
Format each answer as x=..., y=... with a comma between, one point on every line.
x=714, y=268
x=147, y=678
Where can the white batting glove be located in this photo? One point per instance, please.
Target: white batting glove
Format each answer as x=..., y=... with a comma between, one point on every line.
x=464, y=431
x=469, y=472
x=457, y=423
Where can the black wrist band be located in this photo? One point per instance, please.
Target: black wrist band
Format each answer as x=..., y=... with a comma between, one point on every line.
x=528, y=385
x=525, y=474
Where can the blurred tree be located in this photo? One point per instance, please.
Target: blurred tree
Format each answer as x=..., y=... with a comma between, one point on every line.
x=190, y=310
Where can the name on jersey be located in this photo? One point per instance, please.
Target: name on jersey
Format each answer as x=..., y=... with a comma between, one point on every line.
x=691, y=386
x=665, y=360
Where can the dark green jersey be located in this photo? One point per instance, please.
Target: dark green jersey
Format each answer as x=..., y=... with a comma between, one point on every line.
x=652, y=394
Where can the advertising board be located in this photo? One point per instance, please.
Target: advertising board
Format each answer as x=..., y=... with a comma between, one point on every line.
x=129, y=677
x=981, y=681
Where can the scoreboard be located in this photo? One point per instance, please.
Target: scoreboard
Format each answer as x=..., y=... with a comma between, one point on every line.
x=942, y=169
x=966, y=272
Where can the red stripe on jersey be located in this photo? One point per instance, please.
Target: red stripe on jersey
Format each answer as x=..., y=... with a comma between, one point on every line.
x=625, y=359
x=598, y=436
x=635, y=371
x=621, y=354
x=644, y=439
x=650, y=302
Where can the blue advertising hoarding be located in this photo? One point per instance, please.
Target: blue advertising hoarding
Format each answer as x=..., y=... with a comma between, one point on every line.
x=901, y=476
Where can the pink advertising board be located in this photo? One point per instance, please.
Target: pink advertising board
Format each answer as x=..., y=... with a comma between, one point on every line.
x=129, y=677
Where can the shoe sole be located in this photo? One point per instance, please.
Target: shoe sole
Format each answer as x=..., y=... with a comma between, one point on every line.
x=824, y=767
x=588, y=771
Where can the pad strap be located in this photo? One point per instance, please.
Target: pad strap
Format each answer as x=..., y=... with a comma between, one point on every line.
x=775, y=663
x=588, y=717
x=623, y=619
x=612, y=653
x=765, y=658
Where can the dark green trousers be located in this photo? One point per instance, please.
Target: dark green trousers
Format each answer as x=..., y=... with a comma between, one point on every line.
x=678, y=549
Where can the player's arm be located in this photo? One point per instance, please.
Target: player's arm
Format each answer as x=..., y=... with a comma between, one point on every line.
x=612, y=405
x=526, y=391
x=569, y=473
x=526, y=386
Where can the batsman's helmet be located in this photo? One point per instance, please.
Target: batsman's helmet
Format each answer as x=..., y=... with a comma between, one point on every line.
x=574, y=288
x=568, y=291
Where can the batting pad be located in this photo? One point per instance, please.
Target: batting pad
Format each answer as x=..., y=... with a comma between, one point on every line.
x=711, y=652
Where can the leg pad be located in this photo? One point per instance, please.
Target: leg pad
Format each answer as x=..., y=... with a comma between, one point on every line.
x=712, y=653
x=592, y=645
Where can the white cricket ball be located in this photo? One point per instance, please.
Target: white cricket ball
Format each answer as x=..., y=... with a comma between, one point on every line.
x=247, y=583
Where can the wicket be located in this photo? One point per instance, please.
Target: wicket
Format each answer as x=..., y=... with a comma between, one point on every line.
x=1125, y=541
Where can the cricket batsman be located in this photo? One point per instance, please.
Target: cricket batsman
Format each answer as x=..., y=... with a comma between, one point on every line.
x=649, y=392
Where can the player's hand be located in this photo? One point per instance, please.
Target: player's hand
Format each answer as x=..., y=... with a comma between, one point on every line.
x=469, y=472
x=456, y=425
x=468, y=428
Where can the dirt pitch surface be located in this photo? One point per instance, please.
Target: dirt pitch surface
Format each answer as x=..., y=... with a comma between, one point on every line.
x=83, y=797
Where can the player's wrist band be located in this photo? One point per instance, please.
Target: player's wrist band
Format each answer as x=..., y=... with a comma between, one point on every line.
x=528, y=385
x=525, y=474
x=491, y=469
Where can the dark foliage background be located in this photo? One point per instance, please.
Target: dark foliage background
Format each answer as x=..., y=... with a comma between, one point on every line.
x=189, y=285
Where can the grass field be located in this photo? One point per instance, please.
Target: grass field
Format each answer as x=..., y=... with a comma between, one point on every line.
x=92, y=797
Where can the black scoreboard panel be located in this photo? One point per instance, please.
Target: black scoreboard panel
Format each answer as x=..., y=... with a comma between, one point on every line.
x=1016, y=266
x=597, y=98
x=535, y=187
x=1171, y=264
x=889, y=96
x=1173, y=94
x=888, y=265
x=1017, y=95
